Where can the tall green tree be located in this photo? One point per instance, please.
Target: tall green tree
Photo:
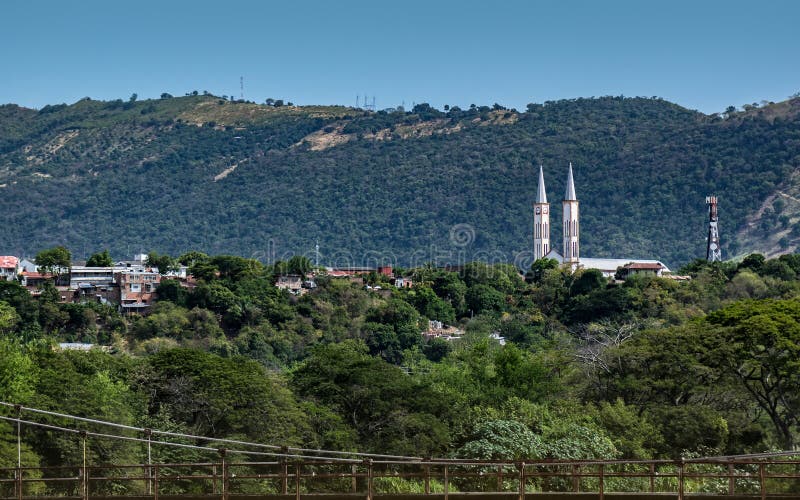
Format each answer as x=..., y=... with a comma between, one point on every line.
x=164, y=263
x=758, y=344
x=100, y=259
x=56, y=260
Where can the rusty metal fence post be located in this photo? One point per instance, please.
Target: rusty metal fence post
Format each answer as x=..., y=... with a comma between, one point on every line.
x=446, y=483
x=18, y=482
x=521, y=493
x=84, y=471
x=427, y=467
x=731, y=479
x=652, y=478
x=18, y=476
x=354, y=478
x=214, y=479
x=680, y=480
x=224, y=466
x=155, y=482
x=148, y=470
x=602, y=485
x=298, y=469
x=576, y=479
x=370, y=485
x=762, y=480
x=285, y=470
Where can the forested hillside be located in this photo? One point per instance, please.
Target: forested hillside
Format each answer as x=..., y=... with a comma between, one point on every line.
x=391, y=186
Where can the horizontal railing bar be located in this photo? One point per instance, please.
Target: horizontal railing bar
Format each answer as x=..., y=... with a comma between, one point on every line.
x=436, y=463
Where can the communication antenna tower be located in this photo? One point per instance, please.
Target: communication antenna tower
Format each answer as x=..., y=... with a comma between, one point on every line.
x=713, y=250
x=364, y=103
x=316, y=256
x=241, y=88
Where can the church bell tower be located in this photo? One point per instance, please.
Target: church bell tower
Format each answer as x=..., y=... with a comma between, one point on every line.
x=541, y=221
x=570, y=217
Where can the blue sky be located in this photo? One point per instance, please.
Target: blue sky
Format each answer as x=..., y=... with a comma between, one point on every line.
x=704, y=55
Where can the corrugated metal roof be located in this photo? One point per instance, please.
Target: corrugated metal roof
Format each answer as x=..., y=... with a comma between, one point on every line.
x=613, y=264
x=8, y=261
x=645, y=265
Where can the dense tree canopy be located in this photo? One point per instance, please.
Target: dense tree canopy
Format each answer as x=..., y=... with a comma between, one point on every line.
x=563, y=365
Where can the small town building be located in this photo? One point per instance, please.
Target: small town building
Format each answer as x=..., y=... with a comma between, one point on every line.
x=403, y=282
x=34, y=280
x=293, y=283
x=27, y=265
x=9, y=267
x=341, y=272
x=137, y=288
x=94, y=276
x=641, y=269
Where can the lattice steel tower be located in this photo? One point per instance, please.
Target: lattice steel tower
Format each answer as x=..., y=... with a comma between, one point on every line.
x=713, y=250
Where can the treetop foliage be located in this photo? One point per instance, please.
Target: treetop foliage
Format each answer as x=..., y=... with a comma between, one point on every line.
x=587, y=368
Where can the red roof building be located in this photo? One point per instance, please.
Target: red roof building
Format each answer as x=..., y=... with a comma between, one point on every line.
x=9, y=267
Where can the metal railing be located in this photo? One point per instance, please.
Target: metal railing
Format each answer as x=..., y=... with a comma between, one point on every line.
x=756, y=478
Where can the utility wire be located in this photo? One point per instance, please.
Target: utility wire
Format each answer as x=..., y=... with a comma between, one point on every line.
x=169, y=443
x=300, y=452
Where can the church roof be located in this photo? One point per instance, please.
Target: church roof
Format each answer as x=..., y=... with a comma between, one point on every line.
x=610, y=265
x=570, y=193
x=541, y=194
x=613, y=264
x=553, y=254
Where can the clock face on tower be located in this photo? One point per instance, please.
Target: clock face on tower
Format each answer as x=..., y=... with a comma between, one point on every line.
x=538, y=210
x=544, y=210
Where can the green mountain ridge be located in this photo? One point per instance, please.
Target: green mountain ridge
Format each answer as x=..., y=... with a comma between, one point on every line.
x=199, y=172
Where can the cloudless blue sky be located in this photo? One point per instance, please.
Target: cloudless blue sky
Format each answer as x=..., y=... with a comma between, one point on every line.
x=704, y=55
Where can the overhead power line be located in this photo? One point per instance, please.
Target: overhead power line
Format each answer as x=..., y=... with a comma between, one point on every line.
x=280, y=451
x=305, y=453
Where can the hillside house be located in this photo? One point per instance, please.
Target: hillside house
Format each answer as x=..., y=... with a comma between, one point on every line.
x=137, y=288
x=94, y=284
x=641, y=269
x=95, y=276
x=9, y=268
x=27, y=265
x=34, y=280
x=403, y=282
x=346, y=272
x=291, y=282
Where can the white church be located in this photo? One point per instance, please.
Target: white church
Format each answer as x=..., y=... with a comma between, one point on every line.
x=571, y=230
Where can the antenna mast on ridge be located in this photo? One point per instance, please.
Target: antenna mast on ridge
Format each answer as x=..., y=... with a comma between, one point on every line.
x=713, y=250
x=241, y=88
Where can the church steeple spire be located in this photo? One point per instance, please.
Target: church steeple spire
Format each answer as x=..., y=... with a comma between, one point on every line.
x=541, y=220
x=569, y=195
x=571, y=229
x=541, y=193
